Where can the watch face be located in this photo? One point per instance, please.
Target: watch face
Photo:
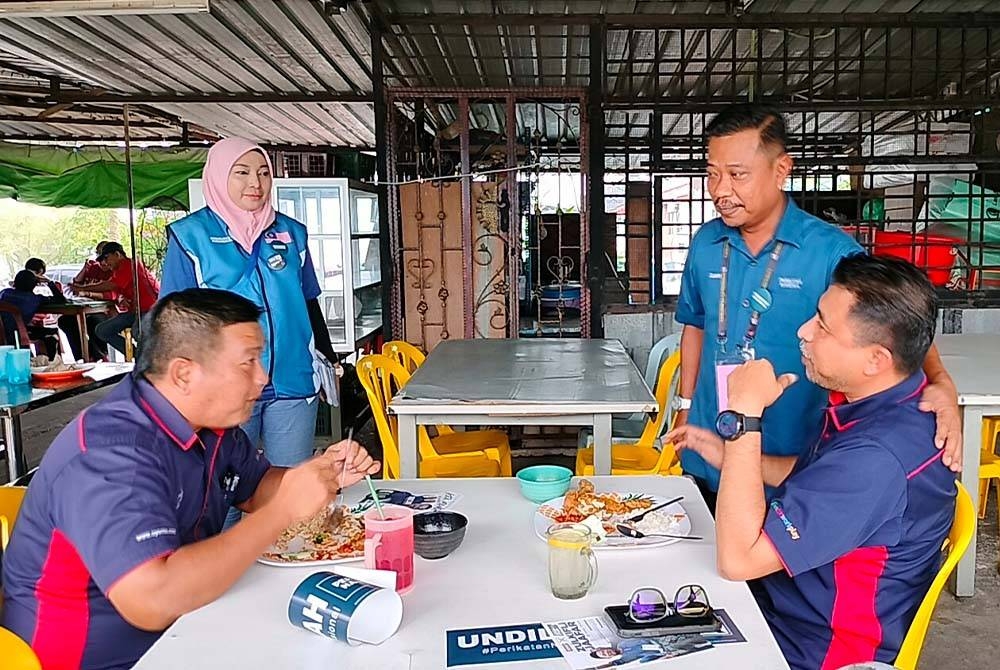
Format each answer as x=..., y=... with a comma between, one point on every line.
x=729, y=424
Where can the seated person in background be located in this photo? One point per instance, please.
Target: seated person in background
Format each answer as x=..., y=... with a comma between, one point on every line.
x=849, y=541
x=67, y=322
x=113, y=257
x=93, y=272
x=118, y=536
x=22, y=295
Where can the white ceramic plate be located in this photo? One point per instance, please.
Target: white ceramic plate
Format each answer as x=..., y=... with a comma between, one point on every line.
x=307, y=564
x=682, y=526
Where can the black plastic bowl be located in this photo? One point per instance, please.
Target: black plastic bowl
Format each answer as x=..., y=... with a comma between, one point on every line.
x=437, y=534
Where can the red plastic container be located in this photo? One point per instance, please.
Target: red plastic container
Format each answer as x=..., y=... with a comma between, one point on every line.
x=935, y=254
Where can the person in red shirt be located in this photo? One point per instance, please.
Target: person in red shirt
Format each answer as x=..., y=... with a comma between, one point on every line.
x=93, y=272
x=114, y=259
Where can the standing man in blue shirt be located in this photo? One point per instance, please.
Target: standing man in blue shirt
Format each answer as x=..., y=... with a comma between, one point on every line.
x=850, y=540
x=752, y=277
x=121, y=532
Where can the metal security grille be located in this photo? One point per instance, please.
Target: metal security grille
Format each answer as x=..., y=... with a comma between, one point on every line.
x=892, y=129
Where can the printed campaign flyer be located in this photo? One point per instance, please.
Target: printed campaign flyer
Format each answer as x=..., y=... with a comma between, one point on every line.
x=591, y=644
x=499, y=644
x=418, y=502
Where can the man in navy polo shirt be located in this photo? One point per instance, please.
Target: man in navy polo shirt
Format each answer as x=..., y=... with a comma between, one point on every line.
x=752, y=277
x=850, y=540
x=121, y=529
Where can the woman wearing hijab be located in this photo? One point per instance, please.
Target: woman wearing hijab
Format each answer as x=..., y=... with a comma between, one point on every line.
x=239, y=243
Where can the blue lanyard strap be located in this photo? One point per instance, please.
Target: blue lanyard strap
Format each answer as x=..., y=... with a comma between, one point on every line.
x=751, y=333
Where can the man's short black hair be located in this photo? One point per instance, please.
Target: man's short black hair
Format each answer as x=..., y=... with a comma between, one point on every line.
x=751, y=116
x=112, y=248
x=186, y=324
x=36, y=265
x=25, y=280
x=894, y=305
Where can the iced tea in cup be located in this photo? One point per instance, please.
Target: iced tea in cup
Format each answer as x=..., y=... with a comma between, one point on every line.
x=572, y=564
x=389, y=543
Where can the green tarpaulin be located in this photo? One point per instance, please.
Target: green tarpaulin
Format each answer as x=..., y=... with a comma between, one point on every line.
x=94, y=176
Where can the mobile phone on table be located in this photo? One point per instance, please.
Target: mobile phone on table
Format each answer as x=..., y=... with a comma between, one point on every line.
x=670, y=625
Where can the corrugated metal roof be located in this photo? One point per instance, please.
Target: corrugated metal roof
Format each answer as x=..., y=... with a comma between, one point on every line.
x=243, y=50
x=287, y=71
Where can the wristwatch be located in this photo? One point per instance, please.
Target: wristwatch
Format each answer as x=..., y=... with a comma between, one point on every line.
x=679, y=403
x=732, y=425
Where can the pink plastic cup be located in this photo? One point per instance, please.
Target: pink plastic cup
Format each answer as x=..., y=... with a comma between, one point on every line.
x=389, y=543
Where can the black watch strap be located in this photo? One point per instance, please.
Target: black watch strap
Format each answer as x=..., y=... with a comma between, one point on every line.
x=751, y=424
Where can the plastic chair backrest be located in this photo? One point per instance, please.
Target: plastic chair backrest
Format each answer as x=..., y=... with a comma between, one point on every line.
x=16, y=653
x=381, y=378
x=955, y=545
x=405, y=354
x=654, y=425
x=11, y=312
x=662, y=350
x=11, y=498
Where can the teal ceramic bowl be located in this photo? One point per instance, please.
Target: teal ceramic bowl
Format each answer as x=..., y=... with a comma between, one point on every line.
x=544, y=482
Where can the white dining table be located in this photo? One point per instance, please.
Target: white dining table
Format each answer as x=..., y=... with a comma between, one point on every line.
x=973, y=361
x=534, y=382
x=498, y=576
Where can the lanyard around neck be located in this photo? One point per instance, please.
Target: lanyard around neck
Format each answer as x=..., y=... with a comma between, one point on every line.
x=751, y=332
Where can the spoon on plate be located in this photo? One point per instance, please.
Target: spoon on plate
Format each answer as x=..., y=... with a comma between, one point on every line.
x=629, y=531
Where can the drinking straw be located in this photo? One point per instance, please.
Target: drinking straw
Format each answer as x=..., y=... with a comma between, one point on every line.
x=378, y=505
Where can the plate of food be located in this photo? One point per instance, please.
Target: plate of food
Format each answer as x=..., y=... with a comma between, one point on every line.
x=606, y=510
x=56, y=370
x=335, y=535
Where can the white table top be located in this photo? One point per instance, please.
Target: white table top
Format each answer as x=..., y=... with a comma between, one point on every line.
x=973, y=361
x=498, y=576
x=525, y=376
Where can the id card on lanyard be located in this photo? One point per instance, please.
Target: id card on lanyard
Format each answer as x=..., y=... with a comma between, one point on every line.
x=760, y=299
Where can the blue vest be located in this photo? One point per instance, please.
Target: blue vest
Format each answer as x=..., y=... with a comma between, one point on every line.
x=271, y=278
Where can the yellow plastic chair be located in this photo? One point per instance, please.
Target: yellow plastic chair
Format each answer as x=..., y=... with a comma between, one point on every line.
x=642, y=457
x=405, y=354
x=411, y=358
x=480, y=453
x=989, y=464
x=11, y=498
x=16, y=653
x=955, y=545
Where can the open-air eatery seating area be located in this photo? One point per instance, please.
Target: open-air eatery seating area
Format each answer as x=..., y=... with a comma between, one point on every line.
x=547, y=334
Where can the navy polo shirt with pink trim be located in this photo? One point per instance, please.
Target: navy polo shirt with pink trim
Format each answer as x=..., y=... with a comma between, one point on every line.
x=127, y=481
x=858, y=525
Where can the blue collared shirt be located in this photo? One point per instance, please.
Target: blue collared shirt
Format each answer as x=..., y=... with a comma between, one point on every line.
x=125, y=482
x=812, y=249
x=858, y=525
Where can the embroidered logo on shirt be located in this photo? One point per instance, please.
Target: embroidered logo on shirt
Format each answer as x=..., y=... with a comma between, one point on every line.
x=156, y=532
x=180, y=497
x=790, y=282
x=221, y=240
x=715, y=275
x=792, y=531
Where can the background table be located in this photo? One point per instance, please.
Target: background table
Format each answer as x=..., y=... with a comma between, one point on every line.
x=527, y=382
x=498, y=576
x=973, y=361
x=79, y=308
x=16, y=399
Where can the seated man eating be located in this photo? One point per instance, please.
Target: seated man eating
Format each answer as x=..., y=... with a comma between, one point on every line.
x=849, y=541
x=121, y=529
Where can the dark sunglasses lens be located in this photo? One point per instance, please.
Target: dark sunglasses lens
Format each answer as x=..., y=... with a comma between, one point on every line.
x=691, y=601
x=647, y=605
